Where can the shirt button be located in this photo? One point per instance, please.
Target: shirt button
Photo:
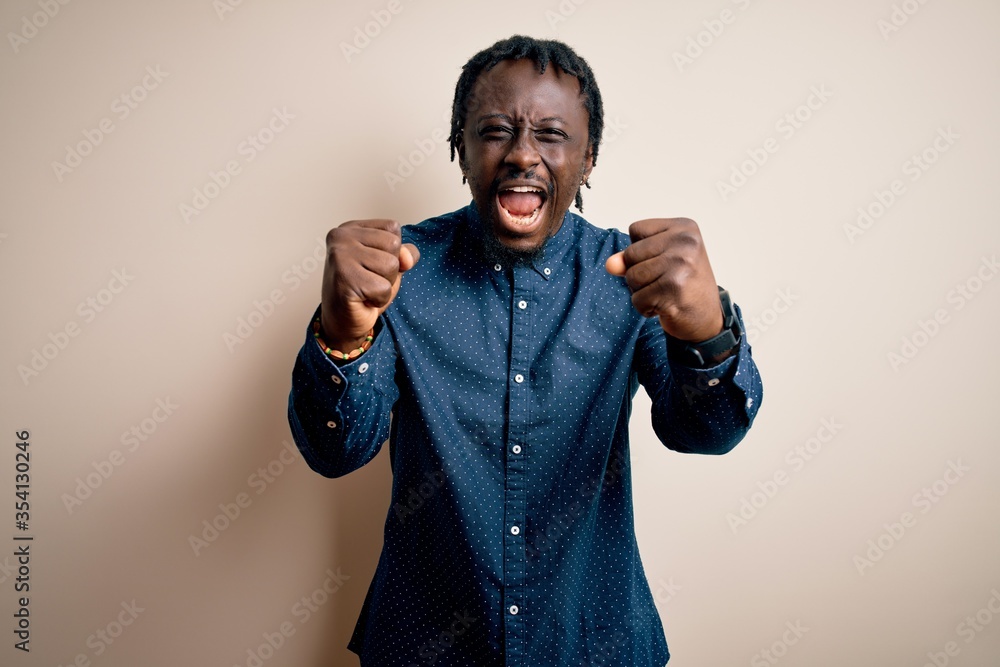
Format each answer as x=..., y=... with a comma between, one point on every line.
x=514, y=609
x=331, y=424
x=516, y=449
x=749, y=402
x=363, y=368
x=547, y=271
x=336, y=380
x=713, y=382
x=497, y=267
x=519, y=378
x=514, y=530
x=522, y=304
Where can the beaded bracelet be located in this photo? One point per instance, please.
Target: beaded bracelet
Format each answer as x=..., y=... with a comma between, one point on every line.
x=337, y=355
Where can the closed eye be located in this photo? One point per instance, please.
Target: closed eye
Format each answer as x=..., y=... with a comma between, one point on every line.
x=552, y=134
x=495, y=132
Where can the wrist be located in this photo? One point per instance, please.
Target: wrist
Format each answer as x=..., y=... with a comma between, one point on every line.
x=704, y=333
x=714, y=350
x=342, y=350
x=333, y=335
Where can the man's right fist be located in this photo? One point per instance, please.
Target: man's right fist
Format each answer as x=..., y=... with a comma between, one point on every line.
x=365, y=260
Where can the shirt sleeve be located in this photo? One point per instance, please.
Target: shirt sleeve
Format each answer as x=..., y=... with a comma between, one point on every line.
x=340, y=414
x=698, y=411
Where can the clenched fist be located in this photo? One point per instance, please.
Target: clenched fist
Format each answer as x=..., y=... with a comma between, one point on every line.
x=365, y=261
x=667, y=269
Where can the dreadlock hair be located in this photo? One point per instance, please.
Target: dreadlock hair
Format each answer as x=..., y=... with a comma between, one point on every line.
x=542, y=52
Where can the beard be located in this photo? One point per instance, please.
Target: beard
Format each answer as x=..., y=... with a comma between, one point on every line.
x=493, y=249
x=495, y=252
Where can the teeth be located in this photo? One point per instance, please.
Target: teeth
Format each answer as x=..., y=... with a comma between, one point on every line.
x=523, y=221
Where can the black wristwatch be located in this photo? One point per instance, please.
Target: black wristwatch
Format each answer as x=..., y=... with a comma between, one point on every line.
x=712, y=351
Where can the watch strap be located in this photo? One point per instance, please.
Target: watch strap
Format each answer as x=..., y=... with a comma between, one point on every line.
x=709, y=352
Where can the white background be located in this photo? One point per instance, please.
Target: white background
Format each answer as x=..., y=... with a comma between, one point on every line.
x=677, y=128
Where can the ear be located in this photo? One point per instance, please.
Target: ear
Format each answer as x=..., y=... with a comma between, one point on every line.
x=588, y=161
x=460, y=150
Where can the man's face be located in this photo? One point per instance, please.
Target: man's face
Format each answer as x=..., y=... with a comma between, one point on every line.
x=524, y=150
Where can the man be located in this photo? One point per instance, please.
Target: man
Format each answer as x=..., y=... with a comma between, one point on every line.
x=507, y=339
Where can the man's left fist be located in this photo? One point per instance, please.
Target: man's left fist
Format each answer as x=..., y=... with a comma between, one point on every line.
x=667, y=269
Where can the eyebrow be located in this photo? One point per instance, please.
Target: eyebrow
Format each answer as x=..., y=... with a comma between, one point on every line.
x=503, y=116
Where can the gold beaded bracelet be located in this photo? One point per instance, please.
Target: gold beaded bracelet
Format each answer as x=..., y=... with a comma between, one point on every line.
x=337, y=355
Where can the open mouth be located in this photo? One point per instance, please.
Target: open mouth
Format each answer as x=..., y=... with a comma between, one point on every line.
x=521, y=206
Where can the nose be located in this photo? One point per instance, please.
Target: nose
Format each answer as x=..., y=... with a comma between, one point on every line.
x=523, y=153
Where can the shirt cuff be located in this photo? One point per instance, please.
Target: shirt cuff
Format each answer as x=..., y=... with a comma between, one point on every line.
x=736, y=370
x=705, y=378
x=357, y=371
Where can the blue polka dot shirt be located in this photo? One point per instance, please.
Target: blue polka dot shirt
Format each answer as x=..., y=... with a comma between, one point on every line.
x=504, y=393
